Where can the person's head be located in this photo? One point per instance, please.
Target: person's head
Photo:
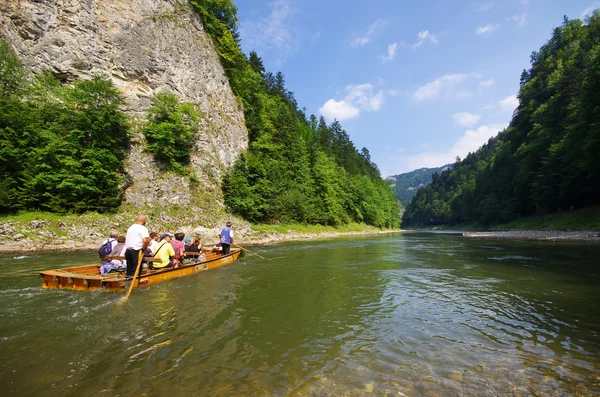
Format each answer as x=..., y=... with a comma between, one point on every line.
x=166, y=236
x=187, y=241
x=141, y=219
x=228, y=224
x=153, y=236
x=114, y=234
x=121, y=239
x=197, y=241
x=179, y=236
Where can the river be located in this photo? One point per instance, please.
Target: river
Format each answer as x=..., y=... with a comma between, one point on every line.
x=415, y=314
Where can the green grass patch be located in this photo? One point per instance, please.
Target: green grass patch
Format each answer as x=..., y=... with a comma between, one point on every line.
x=27, y=216
x=585, y=219
x=314, y=229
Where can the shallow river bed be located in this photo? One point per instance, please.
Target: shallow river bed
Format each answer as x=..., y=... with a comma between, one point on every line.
x=417, y=314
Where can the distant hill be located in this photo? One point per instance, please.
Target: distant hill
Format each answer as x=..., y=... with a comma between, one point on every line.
x=405, y=185
x=546, y=161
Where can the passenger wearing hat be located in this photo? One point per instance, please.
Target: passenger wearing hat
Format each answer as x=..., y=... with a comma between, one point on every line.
x=164, y=252
x=226, y=237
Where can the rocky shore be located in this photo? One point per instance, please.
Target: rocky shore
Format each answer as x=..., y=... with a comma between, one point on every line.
x=58, y=236
x=540, y=235
x=81, y=239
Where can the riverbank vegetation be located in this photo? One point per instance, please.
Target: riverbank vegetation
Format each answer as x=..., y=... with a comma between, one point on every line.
x=297, y=169
x=62, y=146
x=584, y=219
x=548, y=159
x=170, y=131
x=315, y=229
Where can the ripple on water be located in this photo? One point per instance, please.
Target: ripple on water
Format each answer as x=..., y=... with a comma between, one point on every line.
x=415, y=322
x=512, y=258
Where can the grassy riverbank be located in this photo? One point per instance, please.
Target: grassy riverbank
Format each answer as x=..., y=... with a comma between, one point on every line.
x=315, y=229
x=587, y=219
x=42, y=231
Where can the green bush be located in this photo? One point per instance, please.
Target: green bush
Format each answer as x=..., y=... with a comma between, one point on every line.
x=62, y=147
x=170, y=131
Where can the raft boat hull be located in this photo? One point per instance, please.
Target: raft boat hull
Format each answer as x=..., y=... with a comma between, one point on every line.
x=87, y=278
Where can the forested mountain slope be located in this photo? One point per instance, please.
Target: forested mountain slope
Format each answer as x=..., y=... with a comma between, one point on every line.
x=406, y=185
x=76, y=104
x=129, y=106
x=548, y=159
x=297, y=168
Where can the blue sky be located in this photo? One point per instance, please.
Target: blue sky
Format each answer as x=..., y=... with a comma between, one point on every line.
x=416, y=82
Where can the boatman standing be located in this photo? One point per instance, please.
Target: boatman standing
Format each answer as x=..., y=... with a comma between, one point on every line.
x=226, y=238
x=137, y=241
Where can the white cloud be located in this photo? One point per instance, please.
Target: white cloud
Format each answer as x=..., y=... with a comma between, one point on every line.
x=357, y=97
x=485, y=30
x=588, y=11
x=363, y=96
x=486, y=83
x=373, y=29
x=423, y=37
x=341, y=110
x=468, y=143
x=448, y=83
x=509, y=103
x=466, y=119
x=520, y=19
x=274, y=32
x=391, y=53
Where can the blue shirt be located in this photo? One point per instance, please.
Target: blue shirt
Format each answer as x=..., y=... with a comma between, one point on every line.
x=226, y=235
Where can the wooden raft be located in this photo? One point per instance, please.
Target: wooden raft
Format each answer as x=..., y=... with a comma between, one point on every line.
x=88, y=277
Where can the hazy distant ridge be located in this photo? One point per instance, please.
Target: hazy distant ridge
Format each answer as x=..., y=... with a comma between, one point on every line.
x=405, y=185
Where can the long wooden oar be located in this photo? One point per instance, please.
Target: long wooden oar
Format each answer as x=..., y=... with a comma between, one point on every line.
x=137, y=272
x=247, y=250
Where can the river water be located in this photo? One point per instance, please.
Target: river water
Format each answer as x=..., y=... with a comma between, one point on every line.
x=416, y=314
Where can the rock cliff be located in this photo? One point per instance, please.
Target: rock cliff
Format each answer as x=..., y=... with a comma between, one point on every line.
x=145, y=47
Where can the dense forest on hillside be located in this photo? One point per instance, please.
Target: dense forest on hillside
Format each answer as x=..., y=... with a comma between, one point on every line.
x=63, y=144
x=548, y=159
x=62, y=147
x=406, y=185
x=297, y=167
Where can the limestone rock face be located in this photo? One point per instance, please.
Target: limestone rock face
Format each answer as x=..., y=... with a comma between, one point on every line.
x=145, y=47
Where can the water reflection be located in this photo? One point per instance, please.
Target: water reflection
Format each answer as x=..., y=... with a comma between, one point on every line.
x=413, y=314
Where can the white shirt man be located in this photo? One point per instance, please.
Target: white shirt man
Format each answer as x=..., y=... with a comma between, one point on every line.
x=136, y=241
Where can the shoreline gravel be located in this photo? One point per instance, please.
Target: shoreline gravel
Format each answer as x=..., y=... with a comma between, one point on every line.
x=8, y=247
x=255, y=238
x=538, y=235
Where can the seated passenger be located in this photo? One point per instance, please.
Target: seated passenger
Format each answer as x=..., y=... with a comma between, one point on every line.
x=217, y=248
x=193, y=247
x=178, y=245
x=153, y=243
x=190, y=249
x=164, y=252
x=110, y=243
x=197, y=244
x=115, y=264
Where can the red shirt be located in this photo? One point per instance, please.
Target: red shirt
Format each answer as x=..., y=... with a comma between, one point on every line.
x=178, y=246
